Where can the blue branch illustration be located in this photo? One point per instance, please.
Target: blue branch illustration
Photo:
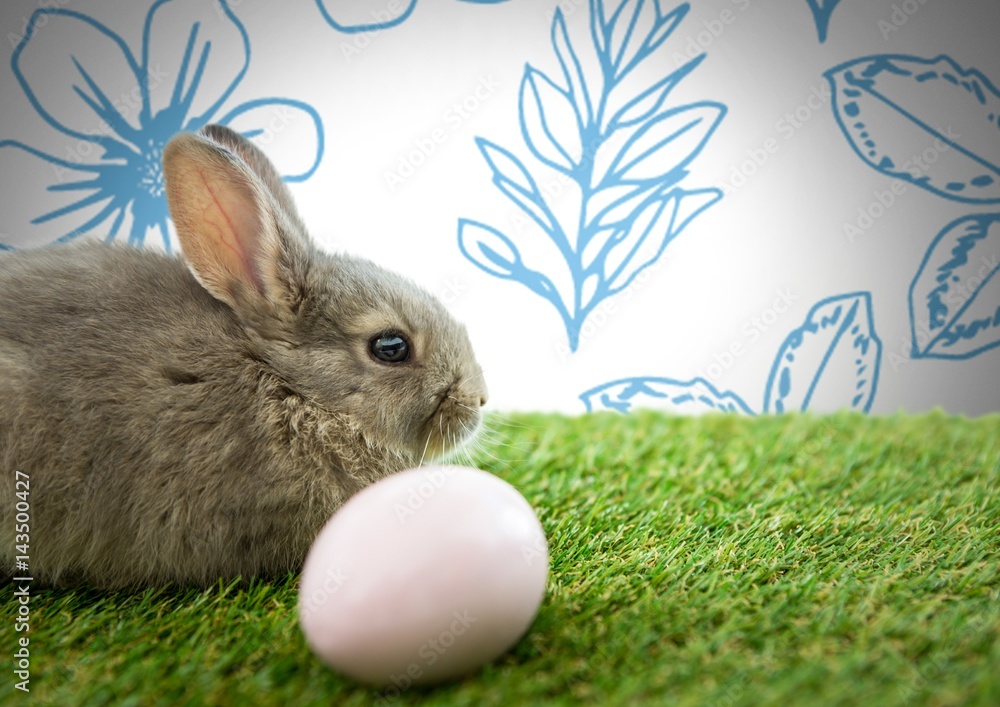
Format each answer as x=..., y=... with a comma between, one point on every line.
x=626, y=154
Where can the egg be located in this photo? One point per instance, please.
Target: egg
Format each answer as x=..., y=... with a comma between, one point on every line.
x=423, y=577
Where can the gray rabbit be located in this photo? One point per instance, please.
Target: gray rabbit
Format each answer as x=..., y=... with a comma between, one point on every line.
x=181, y=422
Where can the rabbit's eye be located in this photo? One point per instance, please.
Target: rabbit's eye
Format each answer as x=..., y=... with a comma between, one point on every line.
x=391, y=348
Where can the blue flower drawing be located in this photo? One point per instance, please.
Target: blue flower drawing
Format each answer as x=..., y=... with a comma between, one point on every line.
x=119, y=109
x=353, y=17
x=619, y=147
x=822, y=11
x=955, y=296
x=926, y=121
x=834, y=355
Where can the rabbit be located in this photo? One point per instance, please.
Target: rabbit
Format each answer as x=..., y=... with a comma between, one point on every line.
x=181, y=421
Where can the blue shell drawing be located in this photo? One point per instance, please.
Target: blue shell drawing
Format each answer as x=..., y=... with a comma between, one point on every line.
x=622, y=149
x=834, y=354
x=122, y=175
x=955, y=296
x=926, y=121
x=685, y=397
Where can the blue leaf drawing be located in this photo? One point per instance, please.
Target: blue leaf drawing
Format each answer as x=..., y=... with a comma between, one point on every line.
x=352, y=17
x=955, y=296
x=513, y=179
x=572, y=72
x=647, y=103
x=836, y=350
x=894, y=108
x=544, y=107
x=647, y=235
x=835, y=354
x=666, y=143
x=357, y=16
x=489, y=249
x=822, y=11
x=122, y=175
x=494, y=253
x=683, y=397
x=626, y=154
x=263, y=117
x=635, y=29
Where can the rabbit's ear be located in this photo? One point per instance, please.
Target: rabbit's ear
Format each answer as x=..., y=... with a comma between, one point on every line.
x=235, y=237
x=258, y=162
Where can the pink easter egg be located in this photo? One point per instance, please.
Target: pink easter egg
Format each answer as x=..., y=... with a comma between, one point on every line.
x=423, y=577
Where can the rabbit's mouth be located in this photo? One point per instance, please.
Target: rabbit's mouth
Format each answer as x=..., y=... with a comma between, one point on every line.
x=453, y=423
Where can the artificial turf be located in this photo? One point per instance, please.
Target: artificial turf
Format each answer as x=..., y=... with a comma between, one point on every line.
x=719, y=560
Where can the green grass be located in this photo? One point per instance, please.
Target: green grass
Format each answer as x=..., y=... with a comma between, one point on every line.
x=712, y=561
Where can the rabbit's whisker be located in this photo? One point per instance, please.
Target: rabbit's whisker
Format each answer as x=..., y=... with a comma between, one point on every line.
x=478, y=375
x=426, y=444
x=461, y=404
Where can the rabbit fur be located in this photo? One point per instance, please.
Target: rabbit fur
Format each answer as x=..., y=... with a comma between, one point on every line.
x=181, y=422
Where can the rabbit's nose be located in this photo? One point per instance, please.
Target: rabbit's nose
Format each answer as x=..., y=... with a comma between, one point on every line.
x=483, y=397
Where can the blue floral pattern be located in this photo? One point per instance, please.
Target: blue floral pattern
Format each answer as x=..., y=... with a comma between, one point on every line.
x=124, y=177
